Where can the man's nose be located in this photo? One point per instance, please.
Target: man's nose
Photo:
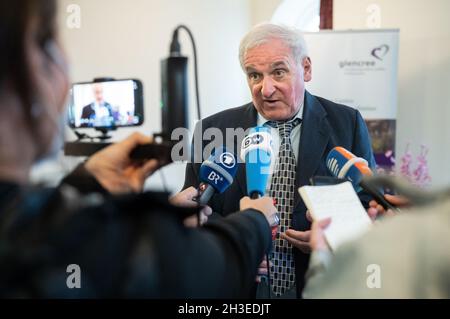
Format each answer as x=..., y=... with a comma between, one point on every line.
x=268, y=87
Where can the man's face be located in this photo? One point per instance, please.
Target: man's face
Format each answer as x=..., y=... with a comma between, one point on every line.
x=276, y=80
x=98, y=93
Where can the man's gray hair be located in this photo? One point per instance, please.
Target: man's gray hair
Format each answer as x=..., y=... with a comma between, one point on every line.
x=263, y=33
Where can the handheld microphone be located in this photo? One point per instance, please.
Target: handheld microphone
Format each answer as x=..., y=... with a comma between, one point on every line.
x=256, y=152
x=344, y=164
x=216, y=174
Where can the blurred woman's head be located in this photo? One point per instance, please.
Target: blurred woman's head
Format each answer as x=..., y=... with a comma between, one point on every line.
x=33, y=79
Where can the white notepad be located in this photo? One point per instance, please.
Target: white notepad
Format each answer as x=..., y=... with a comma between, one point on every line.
x=349, y=219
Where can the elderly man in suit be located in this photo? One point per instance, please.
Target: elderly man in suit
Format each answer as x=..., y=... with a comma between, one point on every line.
x=304, y=128
x=99, y=112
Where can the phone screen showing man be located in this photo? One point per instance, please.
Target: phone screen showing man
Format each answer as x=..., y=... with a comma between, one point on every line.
x=105, y=104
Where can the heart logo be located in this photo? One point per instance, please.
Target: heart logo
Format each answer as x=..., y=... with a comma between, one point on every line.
x=380, y=52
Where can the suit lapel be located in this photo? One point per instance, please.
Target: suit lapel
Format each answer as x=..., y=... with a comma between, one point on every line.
x=249, y=120
x=315, y=133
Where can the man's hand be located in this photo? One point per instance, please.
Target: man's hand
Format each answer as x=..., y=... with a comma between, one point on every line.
x=376, y=210
x=116, y=172
x=263, y=204
x=299, y=239
x=185, y=199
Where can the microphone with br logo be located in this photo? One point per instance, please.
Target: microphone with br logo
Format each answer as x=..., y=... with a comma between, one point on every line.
x=216, y=174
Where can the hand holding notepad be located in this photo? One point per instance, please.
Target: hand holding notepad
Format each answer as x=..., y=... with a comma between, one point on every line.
x=349, y=219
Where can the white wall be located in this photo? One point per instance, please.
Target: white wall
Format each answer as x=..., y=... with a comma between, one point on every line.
x=125, y=39
x=424, y=69
x=262, y=10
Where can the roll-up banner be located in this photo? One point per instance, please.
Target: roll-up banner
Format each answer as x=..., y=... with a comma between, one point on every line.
x=359, y=68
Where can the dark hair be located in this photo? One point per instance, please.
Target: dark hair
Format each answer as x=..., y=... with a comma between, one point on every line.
x=15, y=19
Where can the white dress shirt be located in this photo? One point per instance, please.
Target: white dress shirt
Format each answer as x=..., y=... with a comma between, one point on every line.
x=101, y=111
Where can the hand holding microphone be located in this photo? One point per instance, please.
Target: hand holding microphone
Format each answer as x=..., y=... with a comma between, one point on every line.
x=264, y=205
x=216, y=175
x=256, y=152
x=343, y=164
x=185, y=199
x=376, y=209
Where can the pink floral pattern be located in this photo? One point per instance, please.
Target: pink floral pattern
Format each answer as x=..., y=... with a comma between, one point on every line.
x=418, y=176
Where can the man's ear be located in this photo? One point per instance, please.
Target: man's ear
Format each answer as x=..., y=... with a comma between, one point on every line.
x=307, y=69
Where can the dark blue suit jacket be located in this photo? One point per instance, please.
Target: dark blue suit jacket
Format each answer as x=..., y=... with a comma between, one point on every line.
x=325, y=125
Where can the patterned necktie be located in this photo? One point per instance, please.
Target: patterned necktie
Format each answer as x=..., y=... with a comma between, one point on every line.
x=282, y=190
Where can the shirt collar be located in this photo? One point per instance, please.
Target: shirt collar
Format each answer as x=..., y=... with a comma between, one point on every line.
x=260, y=120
